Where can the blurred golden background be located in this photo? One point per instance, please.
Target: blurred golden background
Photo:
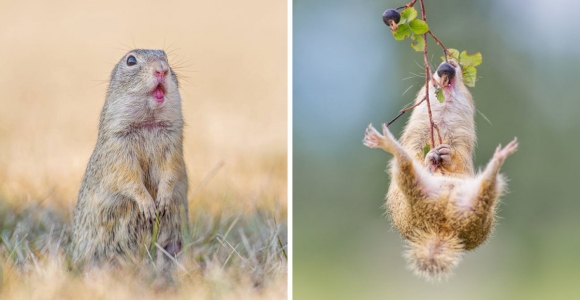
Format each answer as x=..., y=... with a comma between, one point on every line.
x=56, y=58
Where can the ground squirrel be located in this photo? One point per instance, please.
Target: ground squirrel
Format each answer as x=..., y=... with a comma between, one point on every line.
x=136, y=170
x=437, y=202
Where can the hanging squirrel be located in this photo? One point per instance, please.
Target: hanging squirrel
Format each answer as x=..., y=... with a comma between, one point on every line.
x=438, y=204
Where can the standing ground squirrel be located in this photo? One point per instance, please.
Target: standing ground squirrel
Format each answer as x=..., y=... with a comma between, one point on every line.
x=136, y=170
x=438, y=204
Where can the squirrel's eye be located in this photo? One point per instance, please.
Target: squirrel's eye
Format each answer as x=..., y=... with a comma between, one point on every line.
x=131, y=60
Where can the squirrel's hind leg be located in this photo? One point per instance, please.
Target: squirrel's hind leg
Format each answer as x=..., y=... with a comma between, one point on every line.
x=491, y=183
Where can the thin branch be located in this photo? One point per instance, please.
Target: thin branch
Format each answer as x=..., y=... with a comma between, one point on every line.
x=427, y=73
x=432, y=125
x=438, y=41
x=410, y=4
x=438, y=133
x=445, y=51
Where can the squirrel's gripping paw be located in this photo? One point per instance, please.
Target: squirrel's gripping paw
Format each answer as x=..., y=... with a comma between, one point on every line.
x=147, y=209
x=440, y=156
x=163, y=204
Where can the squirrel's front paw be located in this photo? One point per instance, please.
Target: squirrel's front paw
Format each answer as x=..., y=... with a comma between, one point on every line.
x=147, y=209
x=440, y=156
x=163, y=203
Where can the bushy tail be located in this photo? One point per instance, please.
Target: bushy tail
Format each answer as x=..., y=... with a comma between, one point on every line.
x=433, y=255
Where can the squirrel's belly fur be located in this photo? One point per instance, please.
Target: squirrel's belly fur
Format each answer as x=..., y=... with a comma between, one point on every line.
x=109, y=225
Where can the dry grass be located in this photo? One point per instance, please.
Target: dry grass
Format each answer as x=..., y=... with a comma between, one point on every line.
x=225, y=257
x=231, y=57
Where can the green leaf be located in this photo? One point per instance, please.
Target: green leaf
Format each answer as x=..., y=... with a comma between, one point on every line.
x=470, y=60
x=453, y=54
x=409, y=14
x=468, y=64
x=469, y=75
x=439, y=94
x=418, y=43
x=402, y=32
x=418, y=26
x=426, y=150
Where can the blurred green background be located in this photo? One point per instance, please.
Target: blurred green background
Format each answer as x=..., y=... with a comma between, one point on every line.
x=348, y=71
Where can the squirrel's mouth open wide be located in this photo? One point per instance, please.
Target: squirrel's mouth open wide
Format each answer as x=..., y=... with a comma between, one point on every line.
x=159, y=93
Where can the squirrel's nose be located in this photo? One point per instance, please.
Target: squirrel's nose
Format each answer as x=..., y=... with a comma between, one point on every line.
x=160, y=74
x=160, y=70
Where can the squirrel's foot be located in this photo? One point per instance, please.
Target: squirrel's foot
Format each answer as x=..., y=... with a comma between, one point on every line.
x=147, y=209
x=440, y=156
x=373, y=139
x=499, y=157
x=501, y=154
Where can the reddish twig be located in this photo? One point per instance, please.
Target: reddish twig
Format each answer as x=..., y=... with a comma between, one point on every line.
x=410, y=4
x=438, y=133
x=427, y=74
x=445, y=51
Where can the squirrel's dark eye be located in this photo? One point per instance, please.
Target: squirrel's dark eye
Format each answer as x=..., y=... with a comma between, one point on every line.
x=131, y=60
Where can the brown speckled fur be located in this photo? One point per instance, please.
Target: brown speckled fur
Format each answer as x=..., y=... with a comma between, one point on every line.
x=136, y=169
x=444, y=208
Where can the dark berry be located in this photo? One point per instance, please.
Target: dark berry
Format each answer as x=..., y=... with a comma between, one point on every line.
x=391, y=14
x=447, y=70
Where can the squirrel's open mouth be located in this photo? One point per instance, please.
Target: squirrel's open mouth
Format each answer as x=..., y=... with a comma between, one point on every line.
x=446, y=82
x=159, y=92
